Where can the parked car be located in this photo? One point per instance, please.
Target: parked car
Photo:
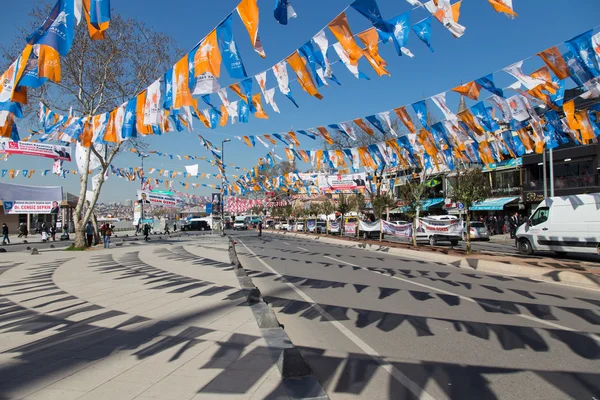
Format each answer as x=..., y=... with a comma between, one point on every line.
x=197, y=225
x=478, y=231
x=439, y=231
x=241, y=223
x=288, y=225
x=299, y=225
x=562, y=224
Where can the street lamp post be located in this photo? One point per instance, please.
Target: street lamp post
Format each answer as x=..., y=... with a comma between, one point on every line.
x=142, y=187
x=223, y=186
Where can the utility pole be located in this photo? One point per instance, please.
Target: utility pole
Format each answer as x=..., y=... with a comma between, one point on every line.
x=142, y=201
x=223, y=186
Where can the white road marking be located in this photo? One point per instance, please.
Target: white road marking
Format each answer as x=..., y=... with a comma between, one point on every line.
x=286, y=243
x=393, y=371
x=469, y=299
x=302, y=248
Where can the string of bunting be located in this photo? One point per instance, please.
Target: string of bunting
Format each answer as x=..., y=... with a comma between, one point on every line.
x=40, y=59
x=493, y=129
x=168, y=104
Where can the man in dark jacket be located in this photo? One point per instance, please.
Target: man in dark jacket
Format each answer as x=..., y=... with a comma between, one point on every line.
x=146, y=232
x=5, y=238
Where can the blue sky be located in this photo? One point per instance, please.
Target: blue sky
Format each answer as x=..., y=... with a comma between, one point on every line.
x=491, y=42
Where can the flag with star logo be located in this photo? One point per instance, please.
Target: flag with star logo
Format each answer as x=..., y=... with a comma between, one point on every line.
x=401, y=24
x=243, y=111
x=229, y=51
x=299, y=66
x=420, y=108
x=182, y=95
x=341, y=30
x=205, y=66
x=370, y=38
x=555, y=62
x=423, y=31
x=58, y=30
x=345, y=58
x=581, y=46
x=248, y=11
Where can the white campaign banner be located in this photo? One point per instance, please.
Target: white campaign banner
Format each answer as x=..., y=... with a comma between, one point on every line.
x=36, y=149
x=452, y=227
x=397, y=230
x=349, y=182
x=31, y=207
x=161, y=199
x=370, y=226
x=350, y=227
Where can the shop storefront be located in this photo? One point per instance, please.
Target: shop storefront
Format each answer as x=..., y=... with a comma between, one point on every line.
x=35, y=205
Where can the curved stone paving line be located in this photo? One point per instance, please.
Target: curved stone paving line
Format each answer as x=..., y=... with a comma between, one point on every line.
x=34, y=288
x=53, y=335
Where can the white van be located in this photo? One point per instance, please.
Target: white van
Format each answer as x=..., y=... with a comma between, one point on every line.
x=562, y=224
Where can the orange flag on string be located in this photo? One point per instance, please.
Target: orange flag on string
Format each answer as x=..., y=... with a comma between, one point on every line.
x=470, y=90
x=341, y=30
x=270, y=139
x=139, y=115
x=556, y=62
x=181, y=91
x=569, y=110
x=365, y=157
x=6, y=130
x=96, y=33
x=456, y=10
x=289, y=154
x=88, y=133
x=426, y=140
x=504, y=7
x=318, y=157
x=370, y=38
x=208, y=56
x=405, y=118
x=362, y=125
x=224, y=116
x=248, y=11
x=235, y=88
x=48, y=63
x=260, y=112
x=110, y=135
x=526, y=139
x=325, y=134
x=586, y=130
x=304, y=77
x=467, y=117
x=293, y=138
x=486, y=153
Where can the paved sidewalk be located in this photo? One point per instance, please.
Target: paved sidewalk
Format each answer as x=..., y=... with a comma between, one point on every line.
x=143, y=321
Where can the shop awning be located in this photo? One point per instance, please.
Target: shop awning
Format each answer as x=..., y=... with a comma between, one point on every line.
x=495, y=204
x=425, y=205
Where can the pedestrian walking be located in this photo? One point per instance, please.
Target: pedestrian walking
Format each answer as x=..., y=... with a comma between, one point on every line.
x=53, y=233
x=497, y=229
x=23, y=230
x=5, y=238
x=107, y=234
x=175, y=227
x=146, y=232
x=90, y=233
x=44, y=230
x=514, y=224
x=260, y=227
x=167, y=231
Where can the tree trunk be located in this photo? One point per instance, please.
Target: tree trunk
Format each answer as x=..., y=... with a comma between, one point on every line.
x=414, y=231
x=78, y=217
x=342, y=226
x=468, y=233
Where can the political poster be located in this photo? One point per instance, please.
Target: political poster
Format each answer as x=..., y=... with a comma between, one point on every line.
x=451, y=227
x=159, y=199
x=36, y=149
x=404, y=230
x=342, y=183
x=370, y=226
x=31, y=207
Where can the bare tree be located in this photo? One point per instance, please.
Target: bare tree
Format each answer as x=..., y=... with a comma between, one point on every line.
x=97, y=77
x=468, y=187
x=412, y=193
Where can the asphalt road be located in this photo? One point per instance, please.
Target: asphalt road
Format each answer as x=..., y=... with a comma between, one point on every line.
x=376, y=326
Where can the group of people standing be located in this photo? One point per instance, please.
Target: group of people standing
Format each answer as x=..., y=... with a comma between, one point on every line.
x=106, y=230
x=499, y=225
x=46, y=232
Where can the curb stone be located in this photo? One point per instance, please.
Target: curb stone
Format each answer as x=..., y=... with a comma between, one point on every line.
x=296, y=374
x=586, y=281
